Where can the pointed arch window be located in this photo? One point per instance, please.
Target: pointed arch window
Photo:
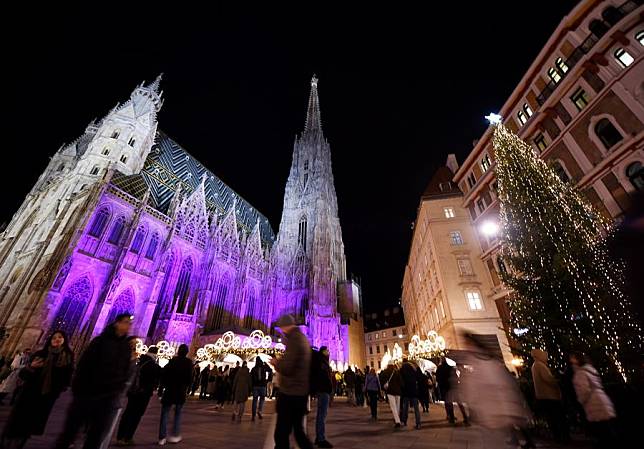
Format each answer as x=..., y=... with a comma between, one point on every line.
x=635, y=173
x=106, y=151
x=306, y=171
x=62, y=274
x=124, y=303
x=139, y=238
x=100, y=222
x=607, y=133
x=182, y=290
x=70, y=312
x=152, y=246
x=301, y=233
x=117, y=231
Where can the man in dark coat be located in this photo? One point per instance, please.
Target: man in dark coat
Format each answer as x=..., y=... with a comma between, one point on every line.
x=176, y=379
x=294, y=371
x=146, y=380
x=446, y=379
x=409, y=392
x=101, y=376
x=423, y=389
x=321, y=386
x=259, y=377
x=350, y=381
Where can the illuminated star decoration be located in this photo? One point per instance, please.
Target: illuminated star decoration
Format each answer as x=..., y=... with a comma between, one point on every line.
x=493, y=118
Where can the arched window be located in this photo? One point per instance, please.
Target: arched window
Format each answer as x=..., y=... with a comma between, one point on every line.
x=117, y=231
x=301, y=233
x=123, y=158
x=106, y=151
x=70, y=312
x=139, y=238
x=623, y=57
x=95, y=170
x=554, y=75
x=182, y=290
x=560, y=171
x=640, y=37
x=131, y=142
x=100, y=222
x=152, y=246
x=115, y=134
x=561, y=65
x=522, y=117
x=124, y=303
x=527, y=109
x=60, y=167
x=607, y=133
x=635, y=173
x=62, y=274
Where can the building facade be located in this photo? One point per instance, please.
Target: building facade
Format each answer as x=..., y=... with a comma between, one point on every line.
x=581, y=105
x=125, y=219
x=382, y=331
x=446, y=286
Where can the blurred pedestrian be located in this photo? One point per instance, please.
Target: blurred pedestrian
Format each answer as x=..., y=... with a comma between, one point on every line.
x=599, y=409
x=372, y=389
x=321, y=386
x=393, y=388
x=204, y=378
x=11, y=384
x=242, y=388
x=44, y=378
x=220, y=388
x=269, y=383
x=447, y=380
x=259, y=377
x=101, y=377
x=176, y=379
x=548, y=396
x=409, y=392
x=350, y=382
x=294, y=371
x=423, y=389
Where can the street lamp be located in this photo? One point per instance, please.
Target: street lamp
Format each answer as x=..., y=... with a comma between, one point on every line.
x=489, y=228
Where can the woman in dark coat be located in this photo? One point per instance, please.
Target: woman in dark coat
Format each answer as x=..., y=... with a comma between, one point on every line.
x=47, y=375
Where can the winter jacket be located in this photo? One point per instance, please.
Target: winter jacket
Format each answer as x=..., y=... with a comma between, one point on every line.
x=176, y=379
x=242, y=385
x=372, y=383
x=259, y=374
x=410, y=380
x=444, y=374
x=590, y=394
x=545, y=384
x=393, y=381
x=320, y=374
x=294, y=366
x=350, y=378
x=149, y=375
x=104, y=368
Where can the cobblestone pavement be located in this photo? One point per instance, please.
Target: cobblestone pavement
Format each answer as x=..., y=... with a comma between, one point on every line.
x=347, y=427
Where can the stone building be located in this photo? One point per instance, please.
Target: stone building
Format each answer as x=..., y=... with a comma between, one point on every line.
x=382, y=331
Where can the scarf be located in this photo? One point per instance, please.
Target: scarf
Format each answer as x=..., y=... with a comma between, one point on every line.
x=56, y=358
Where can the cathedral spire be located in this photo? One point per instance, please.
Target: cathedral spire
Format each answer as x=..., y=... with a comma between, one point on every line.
x=313, y=121
x=156, y=84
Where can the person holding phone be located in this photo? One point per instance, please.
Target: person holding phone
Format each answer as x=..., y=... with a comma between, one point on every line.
x=44, y=378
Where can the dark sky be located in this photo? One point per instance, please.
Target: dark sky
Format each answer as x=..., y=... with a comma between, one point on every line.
x=399, y=89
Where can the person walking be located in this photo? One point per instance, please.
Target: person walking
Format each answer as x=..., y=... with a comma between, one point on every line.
x=242, y=387
x=294, y=371
x=350, y=382
x=204, y=378
x=423, y=389
x=44, y=378
x=220, y=388
x=372, y=389
x=101, y=377
x=359, y=388
x=321, y=387
x=548, y=396
x=176, y=379
x=599, y=409
x=393, y=387
x=269, y=383
x=146, y=380
x=447, y=381
x=259, y=378
x=409, y=397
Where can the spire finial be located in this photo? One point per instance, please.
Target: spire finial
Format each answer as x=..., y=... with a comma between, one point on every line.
x=313, y=121
x=154, y=85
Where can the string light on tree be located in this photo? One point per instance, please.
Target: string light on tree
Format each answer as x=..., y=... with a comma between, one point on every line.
x=567, y=292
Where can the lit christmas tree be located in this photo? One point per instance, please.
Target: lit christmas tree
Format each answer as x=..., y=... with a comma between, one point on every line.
x=567, y=292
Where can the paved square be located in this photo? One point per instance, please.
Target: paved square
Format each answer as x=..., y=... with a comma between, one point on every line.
x=347, y=427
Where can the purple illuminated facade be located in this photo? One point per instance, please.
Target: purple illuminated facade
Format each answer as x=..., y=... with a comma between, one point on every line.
x=124, y=219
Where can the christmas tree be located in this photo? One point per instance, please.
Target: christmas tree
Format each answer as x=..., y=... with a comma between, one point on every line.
x=566, y=291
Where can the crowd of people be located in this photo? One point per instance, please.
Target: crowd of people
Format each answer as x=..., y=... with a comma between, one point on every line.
x=112, y=387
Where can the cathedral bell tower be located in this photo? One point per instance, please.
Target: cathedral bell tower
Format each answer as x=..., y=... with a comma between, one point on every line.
x=309, y=252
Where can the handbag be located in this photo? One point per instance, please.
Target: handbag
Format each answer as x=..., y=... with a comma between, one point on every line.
x=386, y=385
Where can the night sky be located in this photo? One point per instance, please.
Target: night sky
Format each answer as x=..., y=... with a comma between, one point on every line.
x=399, y=90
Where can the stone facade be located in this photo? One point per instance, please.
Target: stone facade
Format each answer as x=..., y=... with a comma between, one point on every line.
x=382, y=331
x=124, y=219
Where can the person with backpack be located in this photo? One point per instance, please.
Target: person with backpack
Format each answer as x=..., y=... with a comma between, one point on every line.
x=145, y=382
x=259, y=378
x=321, y=386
